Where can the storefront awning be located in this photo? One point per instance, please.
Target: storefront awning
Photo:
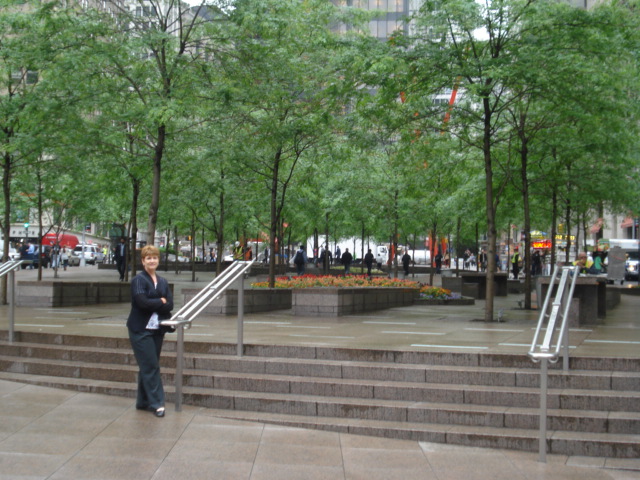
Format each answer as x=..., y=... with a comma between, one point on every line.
x=595, y=228
x=627, y=223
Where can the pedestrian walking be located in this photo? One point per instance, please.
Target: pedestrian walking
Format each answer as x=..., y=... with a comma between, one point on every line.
x=120, y=256
x=347, y=258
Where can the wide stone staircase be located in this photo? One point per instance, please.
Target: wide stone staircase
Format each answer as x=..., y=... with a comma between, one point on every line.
x=475, y=399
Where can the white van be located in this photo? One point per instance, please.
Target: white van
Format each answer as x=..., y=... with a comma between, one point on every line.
x=92, y=254
x=13, y=253
x=631, y=247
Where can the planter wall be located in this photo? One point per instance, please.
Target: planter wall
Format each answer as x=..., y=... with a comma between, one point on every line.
x=335, y=302
x=70, y=294
x=452, y=301
x=255, y=301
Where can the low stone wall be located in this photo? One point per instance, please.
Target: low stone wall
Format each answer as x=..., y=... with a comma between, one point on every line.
x=255, y=300
x=335, y=302
x=626, y=290
x=70, y=294
x=450, y=301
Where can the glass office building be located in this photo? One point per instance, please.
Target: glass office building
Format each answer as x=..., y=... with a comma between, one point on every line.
x=392, y=14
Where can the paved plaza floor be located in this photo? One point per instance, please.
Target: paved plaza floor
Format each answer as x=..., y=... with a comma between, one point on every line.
x=49, y=433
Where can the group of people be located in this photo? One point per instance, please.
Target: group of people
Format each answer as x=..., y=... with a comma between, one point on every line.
x=346, y=259
x=300, y=259
x=59, y=255
x=537, y=262
x=587, y=264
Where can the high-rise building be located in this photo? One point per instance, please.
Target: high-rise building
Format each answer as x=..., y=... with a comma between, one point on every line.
x=392, y=14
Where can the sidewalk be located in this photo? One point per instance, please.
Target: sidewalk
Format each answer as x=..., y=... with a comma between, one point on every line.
x=56, y=434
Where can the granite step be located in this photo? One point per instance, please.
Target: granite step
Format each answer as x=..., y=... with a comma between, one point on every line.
x=419, y=358
x=443, y=374
x=570, y=399
x=475, y=399
x=339, y=397
x=559, y=442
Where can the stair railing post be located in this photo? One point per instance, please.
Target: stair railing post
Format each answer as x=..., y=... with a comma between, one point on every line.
x=240, y=345
x=179, y=366
x=12, y=303
x=542, y=446
x=565, y=350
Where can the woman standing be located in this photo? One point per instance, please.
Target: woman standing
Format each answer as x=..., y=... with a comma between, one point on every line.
x=151, y=302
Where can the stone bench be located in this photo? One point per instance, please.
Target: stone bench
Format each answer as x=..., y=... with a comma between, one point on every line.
x=70, y=294
x=458, y=285
x=480, y=278
x=590, y=299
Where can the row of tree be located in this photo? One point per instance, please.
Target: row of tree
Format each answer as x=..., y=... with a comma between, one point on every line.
x=259, y=116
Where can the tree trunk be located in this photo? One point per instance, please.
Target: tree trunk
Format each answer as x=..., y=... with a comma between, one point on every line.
x=567, y=230
x=133, y=222
x=327, y=249
x=458, y=226
x=477, y=248
x=40, y=212
x=273, y=230
x=6, y=222
x=155, y=186
x=524, y=159
x=491, y=213
x=362, y=248
x=395, y=235
x=433, y=241
x=176, y=248
x=192, y=246
x=220, y=236
x=554, y=223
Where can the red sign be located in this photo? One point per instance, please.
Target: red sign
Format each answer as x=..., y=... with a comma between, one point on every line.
x=541, y=244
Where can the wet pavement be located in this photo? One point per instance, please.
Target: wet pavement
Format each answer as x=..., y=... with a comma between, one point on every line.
x=48, y=433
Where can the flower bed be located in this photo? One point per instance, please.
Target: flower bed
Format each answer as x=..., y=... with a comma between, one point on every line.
x=331, y=296
x=437, y=293
x=441, y=296
x=352, y=281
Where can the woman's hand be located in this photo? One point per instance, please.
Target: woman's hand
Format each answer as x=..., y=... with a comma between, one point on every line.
x=164, y=300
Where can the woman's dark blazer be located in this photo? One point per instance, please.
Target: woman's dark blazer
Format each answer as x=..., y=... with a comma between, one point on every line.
x=145, y=300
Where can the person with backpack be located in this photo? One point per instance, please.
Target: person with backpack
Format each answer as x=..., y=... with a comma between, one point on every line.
x=300, y=260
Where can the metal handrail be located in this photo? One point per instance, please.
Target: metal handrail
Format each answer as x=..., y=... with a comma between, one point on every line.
x=9, y=268
x=183, y=318
x=545, y=351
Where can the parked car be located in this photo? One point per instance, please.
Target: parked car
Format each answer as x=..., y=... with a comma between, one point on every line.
x=74, y=260
x=13, y=254
x=44, y=257
x=92, y=254
x=632, y=265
